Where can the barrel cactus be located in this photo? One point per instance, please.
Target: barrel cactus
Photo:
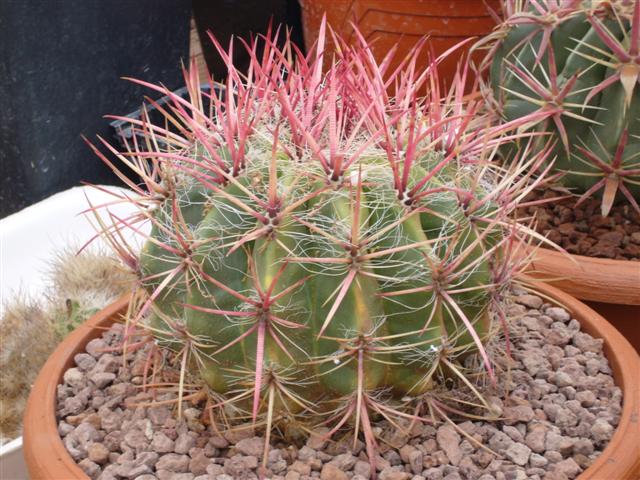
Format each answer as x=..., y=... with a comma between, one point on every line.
x=321, y=250
x=577, y=63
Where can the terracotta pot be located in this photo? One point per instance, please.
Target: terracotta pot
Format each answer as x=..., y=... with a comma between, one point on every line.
x=384, y=23
x=47, y=458
x=611, y=287
x=624, y=317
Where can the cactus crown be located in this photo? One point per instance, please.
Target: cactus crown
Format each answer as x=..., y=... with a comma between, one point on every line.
x=320, y=248
x=576, y=63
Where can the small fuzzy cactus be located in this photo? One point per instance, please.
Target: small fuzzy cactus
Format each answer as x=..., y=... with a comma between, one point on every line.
x=321, y=250
x=81, y=284
x=576, y=64
x=27, y=340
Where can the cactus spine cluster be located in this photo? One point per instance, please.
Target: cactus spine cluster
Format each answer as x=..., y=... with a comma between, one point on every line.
x=319, y=248
x=576, y=64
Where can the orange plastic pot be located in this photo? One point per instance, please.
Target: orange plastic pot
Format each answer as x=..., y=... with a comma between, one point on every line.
x=384, y=23
x=611, y=287
x=47, y=458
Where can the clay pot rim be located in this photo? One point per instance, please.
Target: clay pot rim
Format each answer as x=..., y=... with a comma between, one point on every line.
x=47, y=457
x=597, y=260
x=44, y=452
x=588, y=278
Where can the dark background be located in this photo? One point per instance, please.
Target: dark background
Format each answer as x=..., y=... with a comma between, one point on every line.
x=60, y=68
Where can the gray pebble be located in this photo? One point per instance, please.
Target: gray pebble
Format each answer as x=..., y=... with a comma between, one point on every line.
x=558, y=314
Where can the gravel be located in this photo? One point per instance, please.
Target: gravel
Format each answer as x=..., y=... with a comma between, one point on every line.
x=583, y=231
x=561, y=410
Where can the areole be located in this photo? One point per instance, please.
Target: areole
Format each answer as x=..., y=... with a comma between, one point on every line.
x=47, y=457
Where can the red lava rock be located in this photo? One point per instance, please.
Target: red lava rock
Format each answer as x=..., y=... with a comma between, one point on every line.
x=553, y=236
x=583, y=231
x=614, y=238
x=566, y=228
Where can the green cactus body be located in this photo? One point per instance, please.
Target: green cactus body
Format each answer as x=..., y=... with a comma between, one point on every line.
x=411, y=312
x=227, y=327
x=583, y=82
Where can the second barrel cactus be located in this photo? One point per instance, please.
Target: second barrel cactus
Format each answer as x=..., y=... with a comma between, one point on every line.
x=576, y=63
